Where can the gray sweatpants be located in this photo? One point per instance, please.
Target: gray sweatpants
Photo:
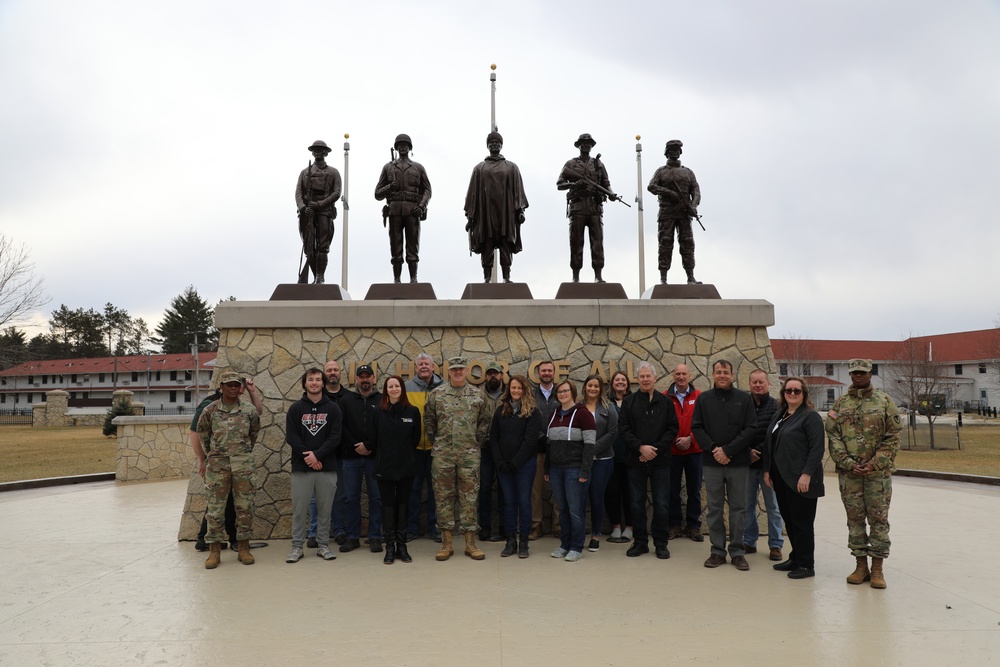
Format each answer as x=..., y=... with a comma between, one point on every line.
x=304, y=485
x=726, y=483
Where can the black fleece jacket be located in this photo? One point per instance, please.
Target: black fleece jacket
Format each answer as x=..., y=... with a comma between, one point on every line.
x=724, y=418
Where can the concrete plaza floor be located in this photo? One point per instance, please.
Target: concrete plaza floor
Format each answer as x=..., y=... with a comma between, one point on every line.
x=93, y=575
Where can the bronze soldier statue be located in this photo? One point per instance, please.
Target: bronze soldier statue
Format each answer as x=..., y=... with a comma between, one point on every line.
x=403, y=184
x=494, y=207
x=316, y=195
x=679, y=195
x=581, y=177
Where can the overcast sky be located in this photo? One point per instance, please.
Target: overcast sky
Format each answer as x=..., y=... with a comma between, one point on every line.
x=848, y=154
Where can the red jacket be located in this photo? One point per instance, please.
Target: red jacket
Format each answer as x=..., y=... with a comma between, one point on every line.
x=684, y=414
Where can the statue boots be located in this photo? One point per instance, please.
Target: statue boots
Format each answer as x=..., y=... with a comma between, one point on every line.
x=244, y=554
x=487, y=274
x=576, y=275
x=861, y=573
x=878, y=579
x=597, y=276
x=691, y=280
x=445, y=552
x=663, y=277
x=397, y=271
x=471, y=550
x=320, y=270
x=413, y=271
x=214, y=556
x=506, y=273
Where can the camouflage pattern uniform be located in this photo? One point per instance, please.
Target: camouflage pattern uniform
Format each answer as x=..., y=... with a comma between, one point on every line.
x=228, y=434
x=456, y=422
x=863, y=427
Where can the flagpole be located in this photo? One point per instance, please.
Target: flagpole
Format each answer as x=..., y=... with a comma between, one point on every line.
x=343, y=260
x=638, y=199
x=493, y=128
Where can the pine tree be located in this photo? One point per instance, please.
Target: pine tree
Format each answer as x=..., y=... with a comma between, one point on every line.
x=187, y=315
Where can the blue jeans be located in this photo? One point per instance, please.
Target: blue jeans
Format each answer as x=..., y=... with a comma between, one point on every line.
x=336, y=514
x=774, y=540
x=488, y=473
x=571, y=496
x=354, y=469
x=599, y=476
x=421, y=479
x=517, y=498
x=657, y=477
x=688, y=465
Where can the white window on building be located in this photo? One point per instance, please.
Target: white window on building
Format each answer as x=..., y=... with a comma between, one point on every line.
x=982, y=368
x=173, y=396
x=958, y=369
x=829, y=370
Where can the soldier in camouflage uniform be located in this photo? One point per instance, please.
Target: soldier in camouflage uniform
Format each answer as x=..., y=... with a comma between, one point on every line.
x=679, y=196
x=456, y=422
x=863, y=433
x=228, y=430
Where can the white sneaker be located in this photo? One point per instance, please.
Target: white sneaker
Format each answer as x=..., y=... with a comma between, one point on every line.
x=627, y=534
x=559, y=553
x=616, y=534
x=573, y=556
x=325, y=553
x=295, y=555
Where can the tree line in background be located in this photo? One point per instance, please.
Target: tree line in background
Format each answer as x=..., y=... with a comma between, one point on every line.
x=113, y=332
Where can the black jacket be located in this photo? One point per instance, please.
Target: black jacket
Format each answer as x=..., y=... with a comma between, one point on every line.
x=513, y=439
x=765, y=411
x=545, y=406
x=646, y=420
x=357, y=411
x=313, y=427
x=395, y=434
x=796, y=448
x=724, y=418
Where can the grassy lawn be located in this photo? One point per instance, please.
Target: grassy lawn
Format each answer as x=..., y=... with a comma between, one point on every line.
x=34, y=453
x=980, y=453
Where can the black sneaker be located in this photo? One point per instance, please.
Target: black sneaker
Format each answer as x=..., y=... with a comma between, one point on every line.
x=375, y=545
x=349, y=545
x=200, y=545
x=340, y=539
x=312, y=543
x=594, y=545
x=637, y=549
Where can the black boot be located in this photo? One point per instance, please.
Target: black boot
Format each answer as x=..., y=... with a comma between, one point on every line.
x=506, y=273
x=663, y=277
x=390, y=553
x=597, y=276
x=402, y=553
x=522, y=550
x=511, y=547
x=487, y=274
x=691, y=280
x=397, y=271
x=321, y=262
x=576, y=275
x=413, y=271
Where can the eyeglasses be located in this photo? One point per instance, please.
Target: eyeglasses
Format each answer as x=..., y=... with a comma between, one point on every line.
x=564, y=391
x=793, y=392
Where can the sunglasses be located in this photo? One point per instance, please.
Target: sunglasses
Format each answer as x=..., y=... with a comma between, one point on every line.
x=793, y=392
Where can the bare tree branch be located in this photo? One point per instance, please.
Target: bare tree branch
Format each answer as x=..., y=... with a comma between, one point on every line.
x=20, y=291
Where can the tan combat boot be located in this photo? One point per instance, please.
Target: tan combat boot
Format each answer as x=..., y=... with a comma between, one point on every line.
x=244, y=554
x=445, y=552
x=471, y=550
x=861, y=573
x=214, y=556
x=878, y=579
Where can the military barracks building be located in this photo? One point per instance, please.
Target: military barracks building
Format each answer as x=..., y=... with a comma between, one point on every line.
x=967, y=365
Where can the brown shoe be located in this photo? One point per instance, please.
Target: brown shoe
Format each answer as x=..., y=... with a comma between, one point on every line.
x=715, y=560
x=695, y=534
x=749, y=549
x=245, y=556
x=740, y=563
x=536, y=532
x=861, y=573
x=214, y=556
x=471, y=550
x=775, y=554
x=446, y=550
x=877, y=578
x=675, y=532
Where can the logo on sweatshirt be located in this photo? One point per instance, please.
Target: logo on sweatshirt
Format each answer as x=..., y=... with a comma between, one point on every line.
x=314, y=422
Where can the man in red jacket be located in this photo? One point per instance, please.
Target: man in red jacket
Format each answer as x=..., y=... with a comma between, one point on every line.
x=685, y=458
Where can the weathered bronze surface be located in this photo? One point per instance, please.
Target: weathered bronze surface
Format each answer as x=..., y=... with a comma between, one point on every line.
x=316, y=195
x=679, y=195
x=404, y=185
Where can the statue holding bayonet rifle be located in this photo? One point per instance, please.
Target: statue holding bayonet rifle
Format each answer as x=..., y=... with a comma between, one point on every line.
x=316, y=194
x=403, y=184
x=586, y=183
x=679, y=196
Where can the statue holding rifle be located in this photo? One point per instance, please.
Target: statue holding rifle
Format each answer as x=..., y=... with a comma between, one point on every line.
x=403, y=184
x=679, y=196
x=316, y=194
x=586, y=183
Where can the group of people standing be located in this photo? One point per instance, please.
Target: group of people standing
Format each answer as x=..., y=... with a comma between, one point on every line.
x=605, y=446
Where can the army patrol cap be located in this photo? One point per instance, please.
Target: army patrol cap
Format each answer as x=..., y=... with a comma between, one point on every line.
x=585, y=138
x=403, y=139
x=494, y=366
x=859, y=365
x=318, y=144
x=230, y=376
x=457, y=362
x=364, y=368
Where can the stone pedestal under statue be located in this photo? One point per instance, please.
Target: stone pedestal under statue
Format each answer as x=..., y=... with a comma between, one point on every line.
x=276, y=341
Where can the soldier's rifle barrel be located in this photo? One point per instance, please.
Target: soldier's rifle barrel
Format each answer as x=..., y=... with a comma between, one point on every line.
x=596, y=186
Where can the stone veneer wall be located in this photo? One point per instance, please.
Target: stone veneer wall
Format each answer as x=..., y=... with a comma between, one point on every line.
x=274, y=342
x=55, y=411
x=153, y=448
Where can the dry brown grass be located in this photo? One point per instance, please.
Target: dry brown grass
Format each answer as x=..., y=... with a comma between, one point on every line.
x=34, y=453
x=980, y=454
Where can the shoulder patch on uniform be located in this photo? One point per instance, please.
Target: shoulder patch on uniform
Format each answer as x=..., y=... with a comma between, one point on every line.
x=831, y=414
